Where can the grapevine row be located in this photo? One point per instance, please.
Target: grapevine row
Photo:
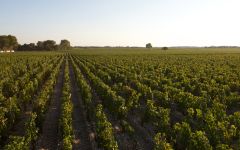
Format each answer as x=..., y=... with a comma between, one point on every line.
x=105, y=137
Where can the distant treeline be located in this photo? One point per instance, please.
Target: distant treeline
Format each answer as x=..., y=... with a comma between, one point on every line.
x=9, y=42
x=108, y=47
x=45, y=45
x=221, y=47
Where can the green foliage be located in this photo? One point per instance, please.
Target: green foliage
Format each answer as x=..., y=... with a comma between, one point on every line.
x=199, y=141
x=235, y=120
x=129, y=94
x=18, y=143
x=66, y=112
x=8, y=42
x=161, y=142
x=115, y=103
x=223, y=147
x=31, y=128
x=67, y=142
x=49, y=45
x=187, y=101
x=19, y=88
x=64, y=45
x=159, y=116
x=127, y=127
x=149, y=45
x=196, y=90
x=183, y=133
x=104, y=129
x=165, y=48
x=9, y=89
x=24, y=143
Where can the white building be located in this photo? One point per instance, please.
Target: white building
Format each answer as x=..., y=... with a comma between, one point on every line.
x=7, y=51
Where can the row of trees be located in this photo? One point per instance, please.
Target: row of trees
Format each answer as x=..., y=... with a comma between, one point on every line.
x=45, y=45
x=9, y=42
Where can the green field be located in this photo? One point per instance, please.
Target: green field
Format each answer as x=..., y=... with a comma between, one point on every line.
x=126, y=51
x=121, y=98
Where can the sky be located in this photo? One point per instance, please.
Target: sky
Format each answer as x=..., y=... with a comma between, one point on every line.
x=123, y=22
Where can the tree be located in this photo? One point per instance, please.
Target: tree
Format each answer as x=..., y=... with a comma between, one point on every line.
x=40, y=45
x=27, y=47
x=8, y=42
x=165, y=48
x=12, y=42
x=4, y=42
x=64, y=45
x=149, y=45
x=49, y=45
x=44, y=45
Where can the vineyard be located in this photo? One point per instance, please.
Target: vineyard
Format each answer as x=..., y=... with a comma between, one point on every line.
x=126, y=100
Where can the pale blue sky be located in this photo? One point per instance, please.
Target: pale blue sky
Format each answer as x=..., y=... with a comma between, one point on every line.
x=123, y=22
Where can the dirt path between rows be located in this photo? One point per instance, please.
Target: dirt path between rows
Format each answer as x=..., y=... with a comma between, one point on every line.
x=49, y=136
x=81, y=128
